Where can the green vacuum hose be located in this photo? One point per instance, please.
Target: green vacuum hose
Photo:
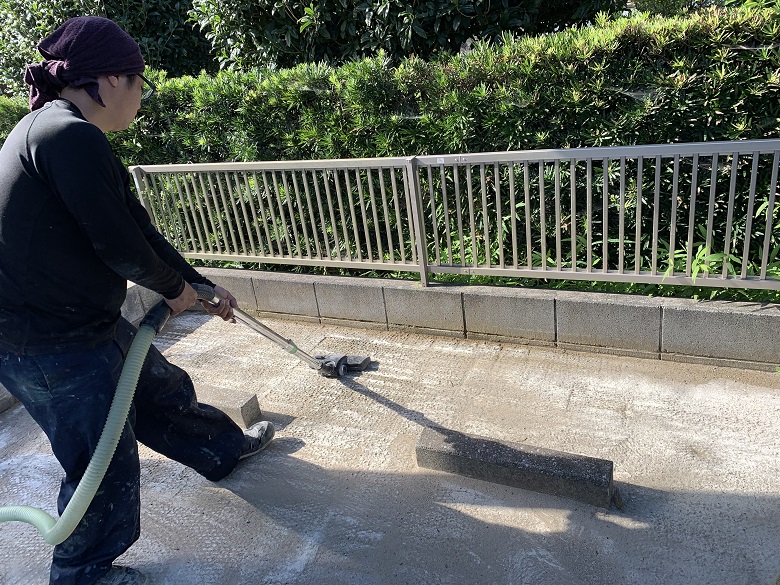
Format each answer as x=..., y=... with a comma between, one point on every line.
x=57, y=531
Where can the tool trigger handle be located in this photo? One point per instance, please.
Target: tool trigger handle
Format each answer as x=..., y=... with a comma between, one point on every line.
x=207, y=293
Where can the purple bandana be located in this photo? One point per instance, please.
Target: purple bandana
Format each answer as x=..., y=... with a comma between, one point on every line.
x=77, y=53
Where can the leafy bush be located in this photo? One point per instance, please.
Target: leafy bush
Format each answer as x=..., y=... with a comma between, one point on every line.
x=24, y=24
x=258, y=32
x=11, y=111
x=167, y=40
x=713, y=75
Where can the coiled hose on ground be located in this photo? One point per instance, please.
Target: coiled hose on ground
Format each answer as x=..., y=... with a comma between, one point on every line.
x=57, y=531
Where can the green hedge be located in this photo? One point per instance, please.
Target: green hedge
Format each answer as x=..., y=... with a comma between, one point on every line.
x=711, y=76
x=249, y=33
x=168, y=41
x=714, y=75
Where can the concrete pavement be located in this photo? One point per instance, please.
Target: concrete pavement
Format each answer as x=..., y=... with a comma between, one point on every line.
x=339, y=499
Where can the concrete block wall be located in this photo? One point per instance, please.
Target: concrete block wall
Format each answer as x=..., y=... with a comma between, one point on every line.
x=744, y=335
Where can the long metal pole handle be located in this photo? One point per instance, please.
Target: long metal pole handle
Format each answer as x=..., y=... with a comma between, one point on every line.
x=208, y=294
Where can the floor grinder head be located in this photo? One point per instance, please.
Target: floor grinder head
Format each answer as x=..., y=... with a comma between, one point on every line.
x=337, y=364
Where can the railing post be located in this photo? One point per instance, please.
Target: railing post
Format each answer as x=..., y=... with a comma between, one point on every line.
x=138, y=174
x=418, y=226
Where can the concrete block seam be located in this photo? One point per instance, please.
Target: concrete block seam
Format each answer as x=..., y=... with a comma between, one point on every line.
x=317, y=303
x=384, y=306
x=254, y=291
x=463, y=314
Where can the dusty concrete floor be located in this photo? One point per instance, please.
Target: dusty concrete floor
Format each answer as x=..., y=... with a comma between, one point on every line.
x=339, y=499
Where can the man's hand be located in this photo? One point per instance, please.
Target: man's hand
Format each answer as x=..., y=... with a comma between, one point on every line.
x=184, y=301
x=225, y=308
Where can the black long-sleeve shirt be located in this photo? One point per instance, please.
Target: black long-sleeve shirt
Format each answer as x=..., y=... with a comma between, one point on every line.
x=71, y=235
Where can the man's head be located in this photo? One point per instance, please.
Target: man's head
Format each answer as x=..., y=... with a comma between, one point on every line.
x=87, y=53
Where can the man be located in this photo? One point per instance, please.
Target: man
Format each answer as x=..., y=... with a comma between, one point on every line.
x=71, y=236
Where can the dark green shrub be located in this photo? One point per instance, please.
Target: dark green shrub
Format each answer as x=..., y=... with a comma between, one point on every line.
x=167, y=40
x=641, y=80
x=23, y=25
x=254, y=33
x=11, y=111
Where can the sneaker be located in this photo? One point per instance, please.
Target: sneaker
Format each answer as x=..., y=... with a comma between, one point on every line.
x=123, y=576
x=256, y=438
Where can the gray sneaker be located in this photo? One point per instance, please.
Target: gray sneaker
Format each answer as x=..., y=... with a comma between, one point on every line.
x=256, y=438
x=123, y=576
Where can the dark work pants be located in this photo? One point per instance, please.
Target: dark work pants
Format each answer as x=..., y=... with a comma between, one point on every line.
x=69, y=395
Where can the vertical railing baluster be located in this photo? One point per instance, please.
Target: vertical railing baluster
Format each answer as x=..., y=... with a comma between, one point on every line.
x=749, y=218
x=158, y=216
x=445, y=212
x=638, y=240
x=249, y=223
x=388, y=223
x=342, y=215
x=434, y=220
x=542, y=216
x=513, y=212
x=310, y=208
x=206, y=200
x=589, y=210
x=204, y=241
x=364, y=217
x=456, y=182
x=260, y=201
x=234, y=218
x=224, y=211
x=398, y=218
x=472, y=217
x=177, y=221
x=527, y=192
x=692, y=213
x=711, y=209
x=332, y=213
x=673, y=226
x=301, y=213
x=186, y=212
x=292, y=223
x=285, y=225
x=622, y=216
x=656, y=213
x=605, y=216
x=375, y=214
x=323, y=219
x=415, y=203
x=558, y=248
x=499, y=216
x=770, y=211
x=485, y=217
x=573, y=216
x=730, y=213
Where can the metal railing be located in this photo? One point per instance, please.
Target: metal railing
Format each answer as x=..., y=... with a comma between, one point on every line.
x=703, y=213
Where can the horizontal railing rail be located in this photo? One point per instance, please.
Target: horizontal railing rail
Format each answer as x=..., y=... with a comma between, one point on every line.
x=703, y=213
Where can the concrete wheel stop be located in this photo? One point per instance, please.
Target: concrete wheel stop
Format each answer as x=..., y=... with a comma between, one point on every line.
x=576, y=477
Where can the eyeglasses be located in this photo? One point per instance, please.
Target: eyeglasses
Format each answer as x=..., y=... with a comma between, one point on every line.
x=148, y=90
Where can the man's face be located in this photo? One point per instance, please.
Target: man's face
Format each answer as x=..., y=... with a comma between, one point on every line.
x=131, y=101
x=122, y=96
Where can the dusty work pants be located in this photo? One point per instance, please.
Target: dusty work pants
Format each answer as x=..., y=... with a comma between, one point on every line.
x=69, y=395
